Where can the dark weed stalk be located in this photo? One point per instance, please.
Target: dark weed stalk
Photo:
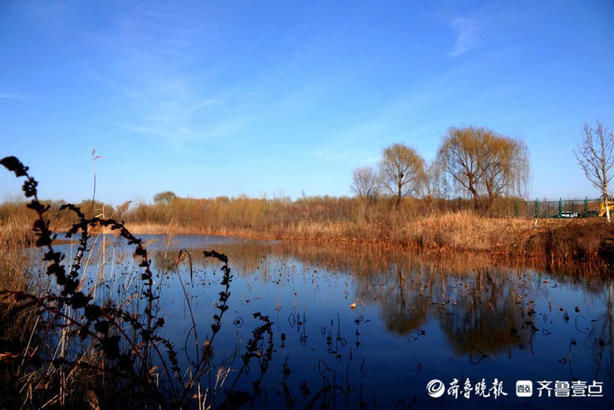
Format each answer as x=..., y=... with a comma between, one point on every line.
x=254, y=349
x=189, y=303
x=222, y=304
x=290, y=400
x=202, y=366
x=265, y=360
x=126, y=360
x=106, y=321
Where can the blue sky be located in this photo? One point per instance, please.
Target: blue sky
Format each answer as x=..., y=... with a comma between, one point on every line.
x=280, y=98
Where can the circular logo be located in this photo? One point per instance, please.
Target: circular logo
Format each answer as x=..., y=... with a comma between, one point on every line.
x=435, y=388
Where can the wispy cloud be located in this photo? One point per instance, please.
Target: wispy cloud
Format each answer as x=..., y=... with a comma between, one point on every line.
x=12, y=96
x=467, y=35
x=145, y=59
x=179, y=134
x=363, y=141
x=411, y=118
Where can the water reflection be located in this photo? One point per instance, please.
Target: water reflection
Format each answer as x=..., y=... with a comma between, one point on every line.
x=484, y=313
x=367, y=327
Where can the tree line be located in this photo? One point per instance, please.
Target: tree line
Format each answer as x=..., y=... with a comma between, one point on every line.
x=474, y=169
x=473, y=162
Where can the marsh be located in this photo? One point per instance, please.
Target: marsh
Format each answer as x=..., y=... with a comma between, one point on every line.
x=365, y=327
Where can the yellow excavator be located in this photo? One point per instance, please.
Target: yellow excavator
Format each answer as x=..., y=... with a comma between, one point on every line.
x=610, y=207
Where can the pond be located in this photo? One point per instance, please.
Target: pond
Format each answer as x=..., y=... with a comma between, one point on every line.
x=357, y=327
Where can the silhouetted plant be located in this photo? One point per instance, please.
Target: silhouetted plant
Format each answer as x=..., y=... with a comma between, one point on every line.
x=253, y=349
x=130, y=344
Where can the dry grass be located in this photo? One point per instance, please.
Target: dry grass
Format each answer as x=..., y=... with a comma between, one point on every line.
x=156, y=229
x=556, y=239
x=15, y=236
x=17, y=273
x=569, y=239
x=465, y=231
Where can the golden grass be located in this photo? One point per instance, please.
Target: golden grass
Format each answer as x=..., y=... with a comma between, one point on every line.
x=448, y=232
x=465, y=231
x=461, y=231
x=15, y=236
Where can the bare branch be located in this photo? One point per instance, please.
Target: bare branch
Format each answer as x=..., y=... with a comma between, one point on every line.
x=595, y=155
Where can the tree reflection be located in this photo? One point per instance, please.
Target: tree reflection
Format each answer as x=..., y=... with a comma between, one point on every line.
x=481, y=307
x=483, y=313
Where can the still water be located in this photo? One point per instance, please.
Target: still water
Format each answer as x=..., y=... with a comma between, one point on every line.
x=357, y=327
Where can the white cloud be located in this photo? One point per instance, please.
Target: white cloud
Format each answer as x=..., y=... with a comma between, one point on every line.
x=467, y=35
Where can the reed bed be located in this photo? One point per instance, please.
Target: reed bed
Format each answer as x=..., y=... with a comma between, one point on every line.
x=15, y=236
x=563, y=240
x=432, y=224
x=566, y=241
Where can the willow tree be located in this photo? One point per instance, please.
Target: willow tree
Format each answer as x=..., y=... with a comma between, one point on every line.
x=401, y=171
x=484, y=164
x=596, y=157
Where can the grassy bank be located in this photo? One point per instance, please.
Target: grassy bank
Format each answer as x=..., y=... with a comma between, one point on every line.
x=442, y=225
x=558, y=240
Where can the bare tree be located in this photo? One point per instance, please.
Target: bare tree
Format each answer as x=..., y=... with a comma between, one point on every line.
x=484, y=164
x=435, y=185
x=364, y=182
x=165, y=197
x=401, y=171
x=595, y=155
